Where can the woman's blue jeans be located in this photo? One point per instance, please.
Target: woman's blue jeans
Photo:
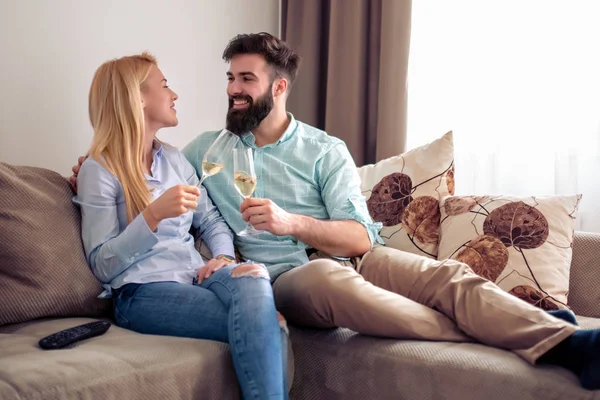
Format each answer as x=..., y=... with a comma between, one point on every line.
x=237, y=309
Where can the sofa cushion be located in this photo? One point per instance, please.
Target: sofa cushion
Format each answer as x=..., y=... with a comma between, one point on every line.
x=403, y=193
x=120, y=364
x=523, y=244
x=340, y=364
x=43, y=271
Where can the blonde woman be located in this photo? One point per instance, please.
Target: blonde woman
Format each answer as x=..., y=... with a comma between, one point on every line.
x=139, y=198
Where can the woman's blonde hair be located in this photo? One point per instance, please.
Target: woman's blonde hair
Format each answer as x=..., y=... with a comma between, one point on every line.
x=117, y=116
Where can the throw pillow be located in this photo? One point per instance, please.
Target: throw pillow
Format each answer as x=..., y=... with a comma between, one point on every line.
x=524, y=245
x=403, y=193
x=43, y=270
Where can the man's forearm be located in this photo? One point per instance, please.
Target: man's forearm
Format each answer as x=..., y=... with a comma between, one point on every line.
x=346, y=238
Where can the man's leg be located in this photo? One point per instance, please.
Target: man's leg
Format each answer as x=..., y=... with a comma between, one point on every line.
x=480, y=309
x=325, y=294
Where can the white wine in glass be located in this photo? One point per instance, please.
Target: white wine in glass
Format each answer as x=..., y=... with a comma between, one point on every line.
x=217, y=154
x=211, y=168
x=244, y=180
x=244, y=183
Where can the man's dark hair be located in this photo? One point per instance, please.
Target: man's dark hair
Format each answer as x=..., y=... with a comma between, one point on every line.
x=277, y=53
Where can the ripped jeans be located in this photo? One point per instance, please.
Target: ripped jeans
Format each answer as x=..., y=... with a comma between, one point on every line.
x=234, y=307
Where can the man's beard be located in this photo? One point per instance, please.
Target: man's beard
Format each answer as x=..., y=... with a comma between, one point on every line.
x=242, y=121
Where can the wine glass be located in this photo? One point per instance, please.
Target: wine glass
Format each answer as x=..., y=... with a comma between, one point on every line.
x=244, y=179
x=217, y=154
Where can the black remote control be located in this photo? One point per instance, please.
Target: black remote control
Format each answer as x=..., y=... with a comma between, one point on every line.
x=64, y=338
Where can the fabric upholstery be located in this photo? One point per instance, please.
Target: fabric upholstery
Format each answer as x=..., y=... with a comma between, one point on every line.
x=403, y=193
x=340, y=364
x=117, y=365
x=120, y=364
x=584, y=292
x=43, y=271
x=523, y=244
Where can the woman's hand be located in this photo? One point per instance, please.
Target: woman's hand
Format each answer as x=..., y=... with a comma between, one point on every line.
x=211, y=266
x=174, y=202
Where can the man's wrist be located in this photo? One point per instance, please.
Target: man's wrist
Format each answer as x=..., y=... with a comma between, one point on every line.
x=299, y=225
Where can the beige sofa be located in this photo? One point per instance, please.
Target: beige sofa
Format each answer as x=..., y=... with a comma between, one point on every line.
x=45, y=286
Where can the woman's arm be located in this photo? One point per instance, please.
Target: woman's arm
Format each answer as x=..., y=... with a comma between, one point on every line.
x=109, y=252
x=213, y=229
x=211, y=226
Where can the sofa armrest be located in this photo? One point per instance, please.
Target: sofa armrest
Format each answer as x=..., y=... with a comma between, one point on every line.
x=584, y=296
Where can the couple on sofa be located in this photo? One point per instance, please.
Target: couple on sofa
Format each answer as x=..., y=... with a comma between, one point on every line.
x=140, y=197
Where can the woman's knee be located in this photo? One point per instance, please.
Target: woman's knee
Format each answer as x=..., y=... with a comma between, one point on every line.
x=257, y=271
x=250, y=280
x=233, y=274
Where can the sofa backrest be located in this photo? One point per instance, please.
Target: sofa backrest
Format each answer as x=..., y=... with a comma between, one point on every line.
x=584, y=283
x=43, y=271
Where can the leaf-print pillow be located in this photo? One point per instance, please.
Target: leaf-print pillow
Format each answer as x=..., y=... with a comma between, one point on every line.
x=523, y=244
x=403, y=193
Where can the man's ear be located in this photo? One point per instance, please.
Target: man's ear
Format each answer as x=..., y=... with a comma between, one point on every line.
x=280, y=87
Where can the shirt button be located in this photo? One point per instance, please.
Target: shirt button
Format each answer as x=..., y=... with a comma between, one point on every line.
x=189, y=267
x=131, y=258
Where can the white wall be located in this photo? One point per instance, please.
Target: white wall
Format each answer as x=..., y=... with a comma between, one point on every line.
x=49, y=50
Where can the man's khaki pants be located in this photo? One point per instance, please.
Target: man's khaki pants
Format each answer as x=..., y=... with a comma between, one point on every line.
x=400, y=295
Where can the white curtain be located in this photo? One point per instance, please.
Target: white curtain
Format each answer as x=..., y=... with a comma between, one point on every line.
x=518, y=81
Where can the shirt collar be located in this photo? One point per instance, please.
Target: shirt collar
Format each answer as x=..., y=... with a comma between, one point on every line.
x=250, y=140
x=157, y=148
x=157, y=151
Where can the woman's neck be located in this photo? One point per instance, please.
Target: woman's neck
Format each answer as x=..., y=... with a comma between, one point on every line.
x=147, y=154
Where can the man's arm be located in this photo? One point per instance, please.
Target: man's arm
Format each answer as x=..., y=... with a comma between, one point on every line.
x=350, y=230
x=339, y=238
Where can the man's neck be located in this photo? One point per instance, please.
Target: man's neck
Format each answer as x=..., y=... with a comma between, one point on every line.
x=271, y=128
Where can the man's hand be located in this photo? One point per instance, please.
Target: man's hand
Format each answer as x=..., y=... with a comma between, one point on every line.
x=211, y=266
x=346, y=238
x=265, y=215
x=75, y=169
